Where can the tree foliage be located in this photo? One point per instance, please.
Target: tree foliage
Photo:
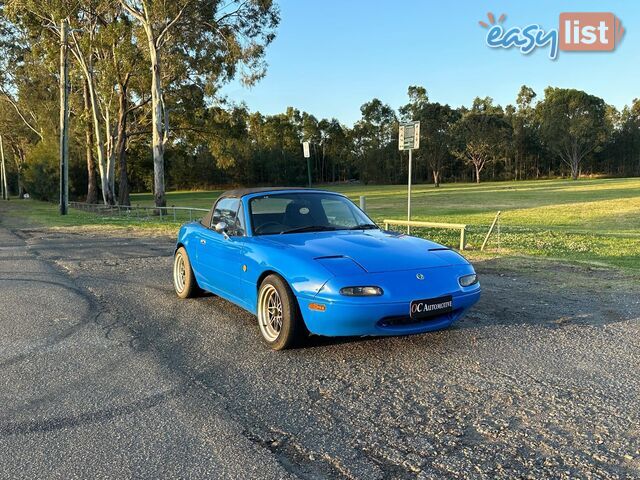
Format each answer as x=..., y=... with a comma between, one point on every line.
x=573, y=124
x=147, y=112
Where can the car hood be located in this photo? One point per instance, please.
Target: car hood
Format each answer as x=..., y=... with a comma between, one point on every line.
x=373, y=250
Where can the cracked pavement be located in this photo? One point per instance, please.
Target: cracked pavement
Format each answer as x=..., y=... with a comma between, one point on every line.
x=106, y=373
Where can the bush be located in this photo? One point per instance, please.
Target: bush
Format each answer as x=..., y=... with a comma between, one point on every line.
x=41, y=177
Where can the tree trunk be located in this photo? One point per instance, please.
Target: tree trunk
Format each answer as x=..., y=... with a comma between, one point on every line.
x=575, y=166
x=19, y=160
x=436, y=178
x=19, y=169
x=575, y=160
x=20, y=186
x=107, y=194
x=3, y=173
x=477, y=174
x=157, y=120
x=92, y=188
x=110, y=154
x=121, y=147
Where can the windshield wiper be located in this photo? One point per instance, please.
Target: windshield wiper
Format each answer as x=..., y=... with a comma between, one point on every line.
x=364, y=226
x=309, y=228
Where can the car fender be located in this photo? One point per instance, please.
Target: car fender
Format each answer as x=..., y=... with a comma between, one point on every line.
x=305, y=276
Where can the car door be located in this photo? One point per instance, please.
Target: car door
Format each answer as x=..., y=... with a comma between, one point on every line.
x=219, y=256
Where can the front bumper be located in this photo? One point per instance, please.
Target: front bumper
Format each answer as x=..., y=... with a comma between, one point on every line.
x=357, y=318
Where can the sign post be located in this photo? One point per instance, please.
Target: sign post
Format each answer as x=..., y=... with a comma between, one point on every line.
x=307, y=155
x=409, y=139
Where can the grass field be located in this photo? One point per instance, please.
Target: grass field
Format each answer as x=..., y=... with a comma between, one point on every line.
x=595, y=221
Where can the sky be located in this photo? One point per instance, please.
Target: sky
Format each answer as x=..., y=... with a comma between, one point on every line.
x=331, y=56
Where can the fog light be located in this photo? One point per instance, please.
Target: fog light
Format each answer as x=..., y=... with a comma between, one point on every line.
x=361, y=291
x=468, y=280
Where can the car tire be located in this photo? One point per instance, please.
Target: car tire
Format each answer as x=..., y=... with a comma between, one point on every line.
x=184, y=281
x=275, y=299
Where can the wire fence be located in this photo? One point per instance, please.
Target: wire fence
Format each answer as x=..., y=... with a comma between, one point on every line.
x=142, y=213
x=473, y=234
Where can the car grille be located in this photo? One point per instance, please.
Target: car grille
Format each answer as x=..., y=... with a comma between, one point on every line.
x=404, y=320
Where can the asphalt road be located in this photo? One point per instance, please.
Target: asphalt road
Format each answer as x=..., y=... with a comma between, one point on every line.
x=105, y=373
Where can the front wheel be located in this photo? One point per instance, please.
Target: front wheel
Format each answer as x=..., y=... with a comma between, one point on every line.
x=279, y=318
x=184, y=281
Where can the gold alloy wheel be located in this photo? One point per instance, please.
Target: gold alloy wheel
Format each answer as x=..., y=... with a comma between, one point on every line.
x=270, y=313
x=179, y=273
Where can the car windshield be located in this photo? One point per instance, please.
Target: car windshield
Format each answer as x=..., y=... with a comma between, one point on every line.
x=282, y=213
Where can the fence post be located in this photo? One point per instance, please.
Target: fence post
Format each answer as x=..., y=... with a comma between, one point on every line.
x=463, y=232
x=486, y=239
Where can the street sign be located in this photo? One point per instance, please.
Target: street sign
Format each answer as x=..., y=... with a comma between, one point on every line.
x=409, y=139
x=409, y=136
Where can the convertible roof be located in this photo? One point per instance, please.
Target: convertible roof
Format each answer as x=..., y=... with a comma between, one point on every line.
x=241, y=192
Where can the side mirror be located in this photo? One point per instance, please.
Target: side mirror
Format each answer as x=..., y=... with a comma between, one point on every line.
x=221, y=227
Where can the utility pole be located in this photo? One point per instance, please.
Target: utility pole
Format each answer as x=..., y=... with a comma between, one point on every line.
x=64, y=118
x=3, y=173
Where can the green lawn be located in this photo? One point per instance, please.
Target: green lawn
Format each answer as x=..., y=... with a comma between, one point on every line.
x=596, y=221
x=588, y=220
x=586, y=205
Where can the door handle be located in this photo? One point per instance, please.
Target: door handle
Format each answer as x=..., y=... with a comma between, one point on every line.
x=203, y=241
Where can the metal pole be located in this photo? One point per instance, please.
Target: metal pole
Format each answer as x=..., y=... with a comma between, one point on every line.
x=309, y=170
x=64, y=120
x=486, y=239
x=409, y=192
x=363, y=203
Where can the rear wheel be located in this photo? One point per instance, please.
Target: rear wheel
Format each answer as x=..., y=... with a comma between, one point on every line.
x=279, y=318
x=184, y=281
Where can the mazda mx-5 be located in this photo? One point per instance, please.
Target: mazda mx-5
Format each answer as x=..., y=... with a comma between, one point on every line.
x=310, y=261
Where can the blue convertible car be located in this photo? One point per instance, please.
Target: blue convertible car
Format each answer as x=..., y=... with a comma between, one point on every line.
x=307, y=260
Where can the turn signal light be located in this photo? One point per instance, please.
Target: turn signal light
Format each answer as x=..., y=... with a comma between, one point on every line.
x=318, y=307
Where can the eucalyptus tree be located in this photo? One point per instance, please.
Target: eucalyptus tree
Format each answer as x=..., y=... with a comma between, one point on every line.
x=44, y=20
x=14, y=65
x=17, y=138
x=121, y=88
x=436, y=129
x=374, y=142
x=214, y=38
x=482, y=134
x=86, y=25
x=626, y=140
x=335, y=150
x=573, y=124
x=524, y=129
